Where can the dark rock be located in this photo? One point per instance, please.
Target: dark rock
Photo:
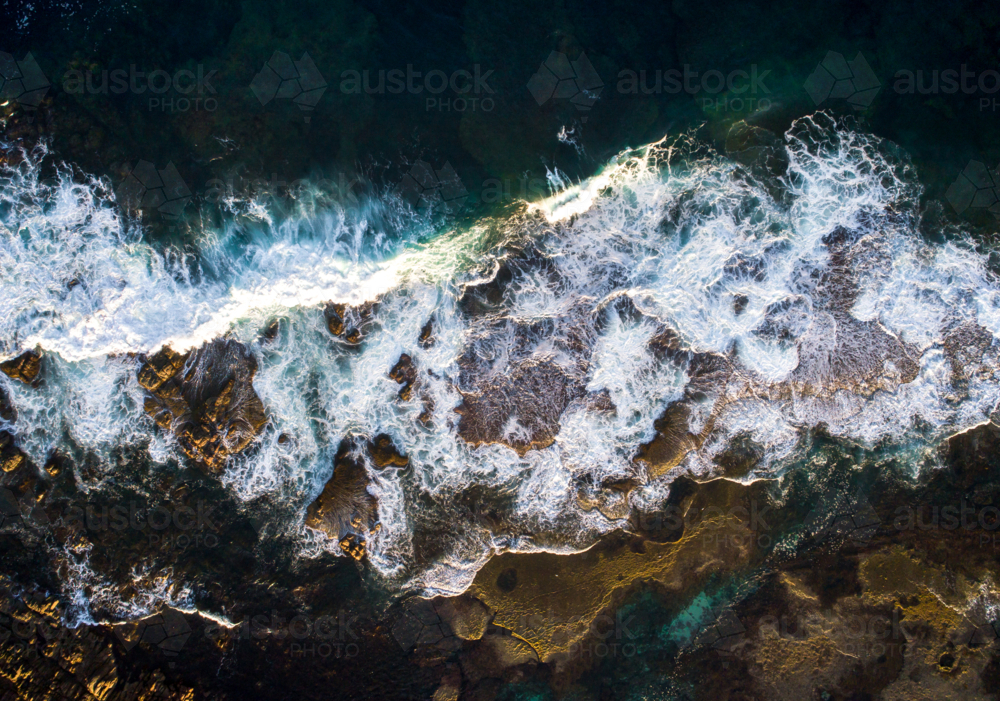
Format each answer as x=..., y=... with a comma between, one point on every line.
x=426, y=417
x=8, y=412
x=44, y=658
x=22, y=487
x=384, y=454
x=206, y=398
x=404, y=372
x=272, y=331
x=740, y=304
x=24, y=367
x=350, y=323
x=426, y=339
x=345, y=510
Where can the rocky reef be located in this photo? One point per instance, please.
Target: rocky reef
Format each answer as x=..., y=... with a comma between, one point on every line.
x=206, y=399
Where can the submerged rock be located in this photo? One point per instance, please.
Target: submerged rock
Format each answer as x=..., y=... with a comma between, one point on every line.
x=24, y=367
x=520, y=409
x=8, y=412
x=206, y=398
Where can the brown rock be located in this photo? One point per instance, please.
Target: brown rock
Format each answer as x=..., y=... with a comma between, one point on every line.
x=11, y=462
x=520, y=409
x=24, y=367
x=426, y=339
x=11, y=458
x=353, y=545
x=384, y=454
x=206, y=398
x=404, y=372
x=345, y=510
x=161, y=367
x=335, y=314
x=349, y=323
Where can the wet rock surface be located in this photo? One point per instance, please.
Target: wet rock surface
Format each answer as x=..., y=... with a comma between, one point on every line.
x=43, y=659
x=345, y=510
x=8, y=412
x=348, y=323
x=520, y=409
x=11, y=458
x=885, y=606
x=674, y=439
x=206, y=398
x=404, y=372
x=772, y=588
x=828, y=625
x=25, y=367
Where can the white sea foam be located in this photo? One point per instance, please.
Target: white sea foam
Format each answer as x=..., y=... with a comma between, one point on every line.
x=681, y=233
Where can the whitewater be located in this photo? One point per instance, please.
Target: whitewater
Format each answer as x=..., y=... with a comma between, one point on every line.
x=813, y=285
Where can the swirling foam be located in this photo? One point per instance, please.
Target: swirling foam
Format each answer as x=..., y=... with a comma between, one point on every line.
x=681, y=232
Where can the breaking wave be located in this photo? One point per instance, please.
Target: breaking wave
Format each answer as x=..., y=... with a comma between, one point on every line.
x=586, y=348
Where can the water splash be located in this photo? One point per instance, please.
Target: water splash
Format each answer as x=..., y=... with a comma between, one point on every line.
x=812, y=290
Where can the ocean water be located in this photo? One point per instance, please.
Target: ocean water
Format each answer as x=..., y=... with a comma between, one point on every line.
x=813, y=284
